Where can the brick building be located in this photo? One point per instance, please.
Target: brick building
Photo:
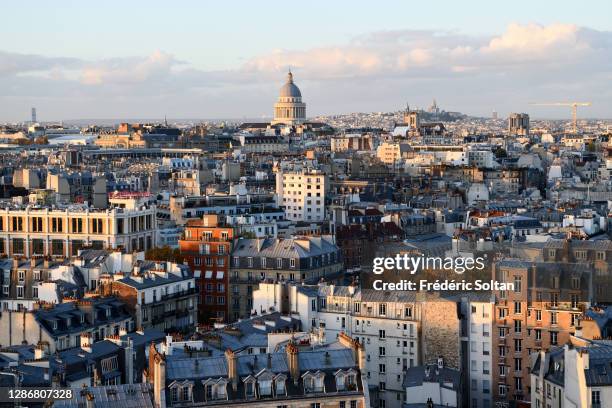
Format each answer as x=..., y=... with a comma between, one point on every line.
x=542, y=311
x=206, y=248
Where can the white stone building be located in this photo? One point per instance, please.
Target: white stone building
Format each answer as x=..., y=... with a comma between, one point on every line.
x=301, y=192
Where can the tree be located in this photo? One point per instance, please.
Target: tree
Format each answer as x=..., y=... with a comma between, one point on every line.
x=164, y=254
x=500, y=153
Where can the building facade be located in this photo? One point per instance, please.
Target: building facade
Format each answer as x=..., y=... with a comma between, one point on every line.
x=301, y=193
x=206, y=248
x=289, y=110
x=29, y=231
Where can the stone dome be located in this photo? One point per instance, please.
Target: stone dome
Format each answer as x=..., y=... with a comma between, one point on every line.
x=290, y=90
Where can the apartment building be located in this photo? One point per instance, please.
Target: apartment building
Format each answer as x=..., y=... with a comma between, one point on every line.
x=301, y=192
x=478, y=309
x=61, y=232
x=60, y=326
x=352, y=142
x=160, y=295
x=596, y=254
x=300, y=259
x=391, y=152
x=330, y=377
x=542, y=311
x=206, y=248
x=398, y=330
x=576, y=375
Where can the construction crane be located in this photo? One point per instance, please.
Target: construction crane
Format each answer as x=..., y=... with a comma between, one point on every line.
x=574, y=106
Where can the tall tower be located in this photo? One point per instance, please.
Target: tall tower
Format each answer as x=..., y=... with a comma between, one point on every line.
x=518, y=124
x=33, y=115
x=289, y=109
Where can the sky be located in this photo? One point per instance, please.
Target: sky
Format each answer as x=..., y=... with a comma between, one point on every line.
x=211, y=59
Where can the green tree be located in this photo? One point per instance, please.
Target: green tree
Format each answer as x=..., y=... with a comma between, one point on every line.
x=164, y=254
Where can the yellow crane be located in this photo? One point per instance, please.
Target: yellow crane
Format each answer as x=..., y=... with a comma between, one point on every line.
x=574, y=106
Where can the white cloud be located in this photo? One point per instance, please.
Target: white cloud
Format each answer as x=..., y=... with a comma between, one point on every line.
x=525, y=62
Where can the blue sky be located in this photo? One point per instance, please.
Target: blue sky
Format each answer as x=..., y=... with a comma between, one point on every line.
x=75, y=59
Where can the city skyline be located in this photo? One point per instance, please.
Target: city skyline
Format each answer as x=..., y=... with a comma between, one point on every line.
x=171, y=63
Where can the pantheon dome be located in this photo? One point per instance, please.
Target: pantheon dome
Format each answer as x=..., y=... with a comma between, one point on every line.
x=289, y=109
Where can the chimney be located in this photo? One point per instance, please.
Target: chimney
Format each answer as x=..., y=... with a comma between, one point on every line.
x=129, y=362
x=157, y=368
x=169, y=345
x=358, y=349
x=86, y=342
x=89, y=400
x=232, y=368
x=39, y=352
x=293, y=362
x=269, y=365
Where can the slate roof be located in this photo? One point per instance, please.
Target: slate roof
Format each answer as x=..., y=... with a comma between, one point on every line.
x=284, y=248
x=138, y=395
x=447, y=377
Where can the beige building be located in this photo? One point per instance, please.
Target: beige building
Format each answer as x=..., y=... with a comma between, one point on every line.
x=289, y=110
x=302, y=193
x=29, y=231
x=390, y=152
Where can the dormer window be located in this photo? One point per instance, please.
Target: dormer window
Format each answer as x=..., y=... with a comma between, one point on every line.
x=279, y=385
x=340, y=382
x=265, y=387
x=309, y=384
x=249, y=388
x=313, y=382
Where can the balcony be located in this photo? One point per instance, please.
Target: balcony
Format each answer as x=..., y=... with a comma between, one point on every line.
x=179, y=294
x=565, y=306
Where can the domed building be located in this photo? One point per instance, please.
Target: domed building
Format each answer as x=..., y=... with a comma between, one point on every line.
x=289, y=110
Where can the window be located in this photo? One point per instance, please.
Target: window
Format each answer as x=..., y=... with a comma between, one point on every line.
x=517, y=326
x=596, y=398
x=109, y=364
x=553, y=338
x=517, y=307
x=280, y=386
x=518, y=364
x=518, y=345
x=250, y=389
x=381, y=334
x=517, y=284
x=382, y=309
x=265, y=387
x=292, y=263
